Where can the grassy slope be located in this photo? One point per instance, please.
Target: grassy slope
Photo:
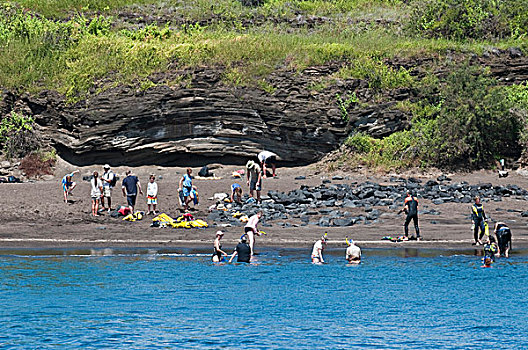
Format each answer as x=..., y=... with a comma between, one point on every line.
x=77, y=47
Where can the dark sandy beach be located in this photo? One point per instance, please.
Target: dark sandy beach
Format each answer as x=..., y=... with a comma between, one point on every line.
x=34, y=215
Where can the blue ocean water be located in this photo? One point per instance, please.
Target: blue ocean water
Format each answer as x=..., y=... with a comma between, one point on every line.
x=154, y=299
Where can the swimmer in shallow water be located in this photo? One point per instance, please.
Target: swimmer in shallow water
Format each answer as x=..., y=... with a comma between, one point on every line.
x=317, y=250
x=487, y=262
x=353, y=252
x=218, y=253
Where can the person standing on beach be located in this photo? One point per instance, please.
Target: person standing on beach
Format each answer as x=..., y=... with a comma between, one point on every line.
x=108, y=183
x=267, y=158
x=254, y=178
x=251, y=229
x=96, y=192
x=353, y=252
x=479, y=221
x=130, y=187
x=317, y=250
x=410, y=207
x=218, y=253
x=68, y=185
x=186, y=188
x=242, y=250
x=152, y=195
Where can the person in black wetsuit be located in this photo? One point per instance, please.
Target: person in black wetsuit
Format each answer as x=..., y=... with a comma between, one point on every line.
x=218, y=253
x=479, y=221
x=491, y=250
x=242, y=250
x=504, y=238
x=410, y=207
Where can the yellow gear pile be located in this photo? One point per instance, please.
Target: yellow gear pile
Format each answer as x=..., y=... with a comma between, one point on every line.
x=138, y=215
x=180, y=222
x=240, y=216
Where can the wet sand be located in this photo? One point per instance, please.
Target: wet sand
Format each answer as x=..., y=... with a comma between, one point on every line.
x=35, y=215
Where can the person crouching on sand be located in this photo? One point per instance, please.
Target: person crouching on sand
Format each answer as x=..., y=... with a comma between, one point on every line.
x=96, y=192
x=353, y=252
x=218, y=253
x=317, y=250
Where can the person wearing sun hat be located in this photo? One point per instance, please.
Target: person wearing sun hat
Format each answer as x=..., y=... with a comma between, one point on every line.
x=254, y=178
x=108, y=183
x=218, y=253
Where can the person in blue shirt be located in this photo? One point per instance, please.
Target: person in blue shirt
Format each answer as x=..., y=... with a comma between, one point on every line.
x=186, y=188
x=130, y=187
x=68, y=185
x=236, y=193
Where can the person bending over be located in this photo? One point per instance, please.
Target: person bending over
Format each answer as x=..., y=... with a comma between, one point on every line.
x=68, y=185
x=504, y=238
x=236, y=193
x=317, y=250
x=353, y=252
x=267, y=159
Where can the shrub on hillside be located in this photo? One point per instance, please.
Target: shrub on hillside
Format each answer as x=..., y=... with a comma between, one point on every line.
x=470, y=19
x=17, y=137
x=37, y=164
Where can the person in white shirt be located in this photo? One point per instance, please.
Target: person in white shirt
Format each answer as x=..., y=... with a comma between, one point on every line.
x=317, y=250
x=267, y=158
x=152, y=195
x=96, y=186
x=108, y=183
x=353, y=252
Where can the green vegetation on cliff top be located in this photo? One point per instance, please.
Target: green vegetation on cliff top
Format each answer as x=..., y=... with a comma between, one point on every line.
x=80, y=48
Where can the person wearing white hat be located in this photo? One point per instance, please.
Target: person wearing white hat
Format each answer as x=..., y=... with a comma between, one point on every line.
x=353, y=252
x=109, y=181
x=218, y=253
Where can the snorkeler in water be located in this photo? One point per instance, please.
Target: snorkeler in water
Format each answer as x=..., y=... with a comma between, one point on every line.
x=317, y=250
x=353, y=252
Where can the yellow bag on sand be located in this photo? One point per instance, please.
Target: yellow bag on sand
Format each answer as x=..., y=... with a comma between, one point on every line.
x=199, y=223
x=237, y=214
x=244, y=218
x=164, y=219
x=129, y=217
x=182, y=224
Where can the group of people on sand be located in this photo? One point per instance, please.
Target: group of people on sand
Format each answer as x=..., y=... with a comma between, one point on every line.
x=244, y=250
x=101, y=188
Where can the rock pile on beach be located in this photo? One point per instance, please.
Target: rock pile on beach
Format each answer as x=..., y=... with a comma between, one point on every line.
x=342, y=204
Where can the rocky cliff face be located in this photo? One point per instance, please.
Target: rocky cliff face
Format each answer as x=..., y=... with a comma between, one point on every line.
x=204, y=120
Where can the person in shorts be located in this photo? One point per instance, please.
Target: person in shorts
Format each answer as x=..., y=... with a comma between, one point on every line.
x=108, y=179
x=267, y=159
x=96, y=192
x=254, y=179
x=130, y=187
x=68, y=185
x=152, y=195
x=251, y=229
